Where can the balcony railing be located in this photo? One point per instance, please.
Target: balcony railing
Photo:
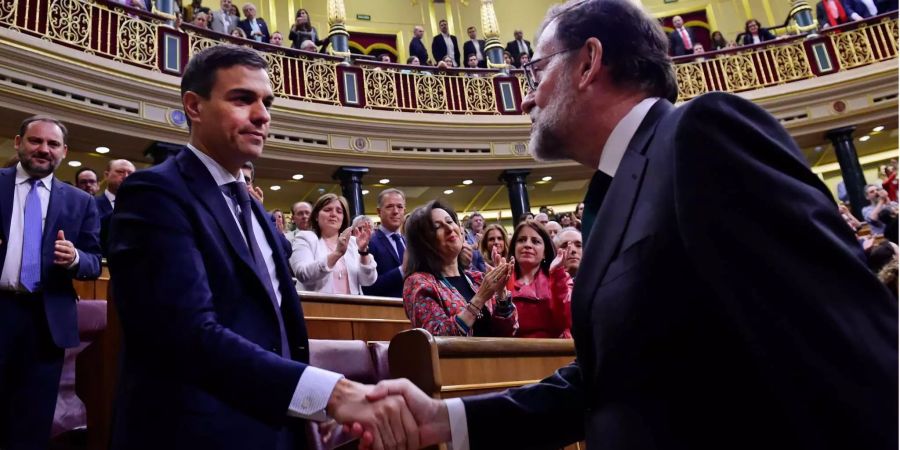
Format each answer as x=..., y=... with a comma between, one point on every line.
x=144, y=40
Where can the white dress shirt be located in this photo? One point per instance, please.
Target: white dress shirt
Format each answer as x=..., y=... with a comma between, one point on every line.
x=522, y=47
x=477, y=46
x=315, y=385
x=613, y=151
x=12, y=265
x=451, y=50
x=111, y=197
x=254, y=28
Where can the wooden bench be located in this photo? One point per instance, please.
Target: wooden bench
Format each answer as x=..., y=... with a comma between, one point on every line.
x=448, y=367
x=354, y=317
x=93, y=289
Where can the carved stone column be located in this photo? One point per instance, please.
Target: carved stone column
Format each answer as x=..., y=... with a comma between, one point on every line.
x=337, y=33
x=851, y=171
x=492, y=46
x=351, y=188
x=518, y=191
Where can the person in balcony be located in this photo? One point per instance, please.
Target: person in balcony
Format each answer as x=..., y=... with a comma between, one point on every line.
x=201, y=20
x=416, y=47
x=196, y=7
x=224, y=21
x=333, y=258
x=508, y=59
x=754, y=33
x=681, y=39
x=309, y=46
x=302, y=30
x=442, y=297
x=254, y=27
x=277, y=39
x=541, y=288
x=831, y=13
x=718, y=42
x=238, y=33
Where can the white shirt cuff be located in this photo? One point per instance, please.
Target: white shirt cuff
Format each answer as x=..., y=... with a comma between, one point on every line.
x=459, y=427
x=312, y=394
x=75, y=263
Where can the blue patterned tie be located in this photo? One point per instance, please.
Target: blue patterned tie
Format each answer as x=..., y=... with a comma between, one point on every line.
x=30, y=278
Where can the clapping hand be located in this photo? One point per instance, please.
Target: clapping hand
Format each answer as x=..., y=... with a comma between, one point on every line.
x=557, y=261
x=363, y=233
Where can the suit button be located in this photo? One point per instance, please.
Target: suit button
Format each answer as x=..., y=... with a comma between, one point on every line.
x=274, y=350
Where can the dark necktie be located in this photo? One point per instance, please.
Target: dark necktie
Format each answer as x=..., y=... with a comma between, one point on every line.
x=238, y=193
x=30, y=275
x=592, y=202
x=401, y=249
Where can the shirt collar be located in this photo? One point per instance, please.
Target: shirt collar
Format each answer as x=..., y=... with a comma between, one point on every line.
x=218, y=172
x=621, y=136
x=109, y=195
x=22, y=176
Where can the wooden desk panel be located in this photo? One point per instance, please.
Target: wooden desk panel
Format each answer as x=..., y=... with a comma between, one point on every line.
x=351, y=306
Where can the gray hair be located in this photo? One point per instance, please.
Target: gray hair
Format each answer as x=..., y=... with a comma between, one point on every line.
x=389, y=191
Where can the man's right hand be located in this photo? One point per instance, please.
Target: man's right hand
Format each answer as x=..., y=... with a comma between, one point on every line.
x=386, y=419
x=430, y=414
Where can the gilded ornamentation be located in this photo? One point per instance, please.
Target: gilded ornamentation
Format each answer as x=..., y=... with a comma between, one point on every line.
x=337, y=14
x=895, y=31
x=276, y=72
x=321, y=81
x=430, y=93
x=691, y=80
x=739, y=71
x=137, y=42
x=380, y=89
x=480, y=95
x=791, y=63
x=199, y=43
x=489, y=25
x=8, y=11
x=70, y=21
x=523, y=85
x=853, y=48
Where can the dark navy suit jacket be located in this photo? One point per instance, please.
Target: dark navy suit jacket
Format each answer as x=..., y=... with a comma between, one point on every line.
x=417, y=48
x=72, y=211
x=201, y=366
x=245, y=25
x=390, y=279
x=104, y=209
x=702, y=323
x=439, y=49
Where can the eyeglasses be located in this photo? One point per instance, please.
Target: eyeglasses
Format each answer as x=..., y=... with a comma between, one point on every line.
x=531, y=71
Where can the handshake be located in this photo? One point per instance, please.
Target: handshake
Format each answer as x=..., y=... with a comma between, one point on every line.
x=394, y=414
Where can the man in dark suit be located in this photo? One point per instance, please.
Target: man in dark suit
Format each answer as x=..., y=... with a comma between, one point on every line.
x=215, y=348
x=387, y=245
x=416, y=47
x=681, y=40
x=699, y=322
x=49, y=238
x=445, y=44
x=254, y=27
x=519, y=46
x=116, y=172
x=475, y=46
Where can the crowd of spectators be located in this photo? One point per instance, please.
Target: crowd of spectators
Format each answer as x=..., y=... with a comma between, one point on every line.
x=876, y=230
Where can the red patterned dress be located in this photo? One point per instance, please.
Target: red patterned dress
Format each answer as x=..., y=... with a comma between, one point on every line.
x=433, y=305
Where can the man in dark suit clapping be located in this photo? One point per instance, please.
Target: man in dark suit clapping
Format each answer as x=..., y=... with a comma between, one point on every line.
x=388, y=245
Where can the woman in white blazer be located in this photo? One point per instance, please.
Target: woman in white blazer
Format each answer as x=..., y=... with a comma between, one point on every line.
x=334, y=257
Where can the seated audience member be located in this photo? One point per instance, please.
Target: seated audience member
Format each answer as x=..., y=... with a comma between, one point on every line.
x=754, y=33
x=471, y=61
x=880, y=254
x=438, y=294
x=333, y=258
x=388, y=246
x=718, y=41
x=201, y=20
x=277, y=39
x=446, y=63
x=888, y=276
x=302, y=31
x=698, y=49
x=527, y=215
x=507, y=59
x=553, y=228
x=413, y=61
x=195, y=8
x=878, y=213
x=494, y=245
x=542, y=218
x=86, y=180
x=524, y=58
x=278, y=219
x=309, y=46
x=254, y=27
x=567, y=220
x=579, y=211
x=569, y=240
x=541, y=287
x=238, y=33
x=300, y=215
x=385, y=58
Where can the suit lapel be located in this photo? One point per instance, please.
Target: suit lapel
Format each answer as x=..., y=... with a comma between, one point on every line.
x=204, y=187
x=54, y=207
x=7, y=187
x=612, y=219
x=386, y=243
